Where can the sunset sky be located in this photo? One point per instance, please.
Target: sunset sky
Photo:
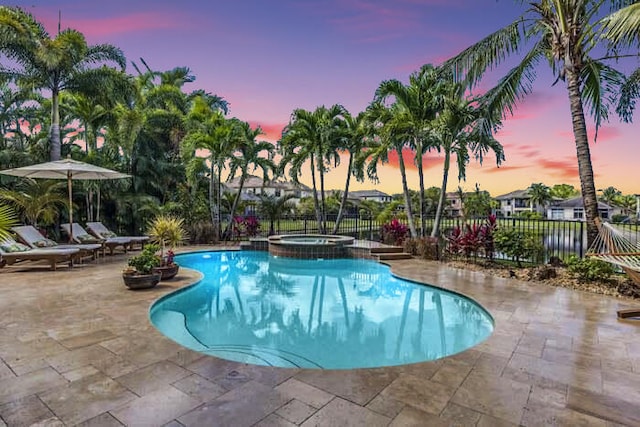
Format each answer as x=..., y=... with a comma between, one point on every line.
x=269, y=57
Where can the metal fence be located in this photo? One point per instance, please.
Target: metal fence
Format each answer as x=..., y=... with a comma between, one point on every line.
x=559, y=238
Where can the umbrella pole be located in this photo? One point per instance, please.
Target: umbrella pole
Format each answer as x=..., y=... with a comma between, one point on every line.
x=70, y=207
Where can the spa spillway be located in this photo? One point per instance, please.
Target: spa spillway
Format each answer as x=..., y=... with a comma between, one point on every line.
x=309, y=246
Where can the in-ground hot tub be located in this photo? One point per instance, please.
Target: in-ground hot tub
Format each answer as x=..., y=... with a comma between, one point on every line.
x=309, y=246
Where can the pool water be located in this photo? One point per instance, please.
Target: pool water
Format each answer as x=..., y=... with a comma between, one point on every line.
x=327, y=314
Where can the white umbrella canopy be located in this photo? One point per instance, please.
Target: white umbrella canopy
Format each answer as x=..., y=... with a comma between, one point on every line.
x=68, y=169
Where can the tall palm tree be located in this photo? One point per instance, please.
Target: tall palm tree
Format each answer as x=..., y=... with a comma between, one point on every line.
x=208, y=130
x=249, y=154
x=567, y=34
x=539, y=194
x=464, y=126
x=385, y=139
x=54, y=64
x=354, y=142
x=418, y=104
x=314, y=137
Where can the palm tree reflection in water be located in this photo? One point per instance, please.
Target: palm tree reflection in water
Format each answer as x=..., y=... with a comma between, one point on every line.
x=250, y=307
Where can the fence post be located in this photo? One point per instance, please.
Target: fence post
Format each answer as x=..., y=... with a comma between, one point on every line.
x=581, y=239
x=356, y=233
x=305, y=225
x=370, y=227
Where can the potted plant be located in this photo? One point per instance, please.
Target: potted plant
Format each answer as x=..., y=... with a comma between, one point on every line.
x=168, y=232
x=139, y=273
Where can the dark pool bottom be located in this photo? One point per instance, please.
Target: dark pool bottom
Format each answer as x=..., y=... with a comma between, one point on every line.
x=325, y=314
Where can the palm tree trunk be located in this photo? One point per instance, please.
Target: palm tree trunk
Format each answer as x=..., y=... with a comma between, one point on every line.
x=421, y=181
x=407, y=197
x=323, y=208
x=443, y=190
x=343, y=202
x=54, y=136
x=236, y=200
x=212, y=204
x=585, y=168
x=316, y=205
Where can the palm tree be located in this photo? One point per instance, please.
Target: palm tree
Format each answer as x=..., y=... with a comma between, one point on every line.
x=7, y=220
x=610, y=194
x=567, y=34
x=249, y=153
x=383, y=127
x=354, y=142
x=539, y=194
x=273, y=208
x=210, y=131
x=417, y=105
x=464, y=125
x=36, y=201
x=314, y=137
x=55, y=64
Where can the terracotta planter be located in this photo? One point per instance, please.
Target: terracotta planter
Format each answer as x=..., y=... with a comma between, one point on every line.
x=141, y=281
x=167, y=271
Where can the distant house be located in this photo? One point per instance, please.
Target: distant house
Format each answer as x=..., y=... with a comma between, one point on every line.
x=375, y=195
x=256, y=186
x=573, y=209
x=517, y=202
x=454, y=205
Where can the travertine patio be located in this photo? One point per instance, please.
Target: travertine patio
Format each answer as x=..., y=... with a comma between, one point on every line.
x=76, y=347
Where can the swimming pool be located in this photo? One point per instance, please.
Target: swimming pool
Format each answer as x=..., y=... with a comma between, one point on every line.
x=255, y=308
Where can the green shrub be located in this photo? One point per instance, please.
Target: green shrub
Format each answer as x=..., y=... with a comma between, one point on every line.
x=589, y=269
x=518, y=244
x=529, y=215
x=147, y=260
x=618, y=218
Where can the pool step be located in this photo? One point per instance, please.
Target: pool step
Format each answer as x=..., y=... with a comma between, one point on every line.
x=389, y=256
x=386, y=250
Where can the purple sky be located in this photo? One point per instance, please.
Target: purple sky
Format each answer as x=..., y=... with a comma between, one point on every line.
x=269, y=57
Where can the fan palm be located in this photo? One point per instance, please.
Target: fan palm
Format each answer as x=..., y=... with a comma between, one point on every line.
x=566, y=34
x=7, y=220
x=273, y=207
x=54, y=64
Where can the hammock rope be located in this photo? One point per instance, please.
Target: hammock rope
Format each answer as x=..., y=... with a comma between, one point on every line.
x=616, y=247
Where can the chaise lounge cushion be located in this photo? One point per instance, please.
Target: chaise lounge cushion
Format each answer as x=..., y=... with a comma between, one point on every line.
x=11, y=247
x=44, y=243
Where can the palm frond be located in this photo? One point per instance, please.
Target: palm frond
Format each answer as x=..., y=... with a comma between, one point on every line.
x=600, y=83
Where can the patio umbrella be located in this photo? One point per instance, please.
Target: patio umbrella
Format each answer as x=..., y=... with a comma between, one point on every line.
x=68, y=169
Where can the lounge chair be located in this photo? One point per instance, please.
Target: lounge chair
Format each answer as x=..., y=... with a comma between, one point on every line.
x=33, y=238
x=12, y=252
x=80, y=235
x=99, y=230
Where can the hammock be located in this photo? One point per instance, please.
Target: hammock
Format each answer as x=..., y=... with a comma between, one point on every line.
x=619, y=248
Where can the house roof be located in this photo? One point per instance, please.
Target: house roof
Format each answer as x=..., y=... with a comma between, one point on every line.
x=368, y=193
x=518, y=194
x=253, y=181
x=576, y=202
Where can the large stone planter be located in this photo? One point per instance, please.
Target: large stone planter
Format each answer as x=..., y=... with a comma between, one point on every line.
x=141, y=281
x=167, y=271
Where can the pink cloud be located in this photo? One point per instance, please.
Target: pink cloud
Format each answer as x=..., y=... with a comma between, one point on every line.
x=605, y=133
x=566, y=169
x=272, y=131
x=101, y=27
x=496, y=169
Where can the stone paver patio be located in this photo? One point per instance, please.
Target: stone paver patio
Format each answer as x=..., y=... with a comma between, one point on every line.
x=76, y=347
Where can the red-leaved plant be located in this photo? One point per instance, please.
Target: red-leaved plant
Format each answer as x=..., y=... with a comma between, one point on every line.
x=394, y=232
x=474, y=238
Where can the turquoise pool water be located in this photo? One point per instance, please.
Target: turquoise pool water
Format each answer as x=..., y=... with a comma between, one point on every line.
x=327, y=314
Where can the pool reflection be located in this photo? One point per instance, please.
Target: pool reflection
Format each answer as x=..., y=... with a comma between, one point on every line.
x=340, y=314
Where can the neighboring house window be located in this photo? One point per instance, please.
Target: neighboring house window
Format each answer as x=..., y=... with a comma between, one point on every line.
x=557, y=213
x=508, y=202
x=578, y=213
x=278, y=192
x=604, y=213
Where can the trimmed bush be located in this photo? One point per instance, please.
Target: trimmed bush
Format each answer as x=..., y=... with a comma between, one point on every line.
x=589, y=269
x=518, y=244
